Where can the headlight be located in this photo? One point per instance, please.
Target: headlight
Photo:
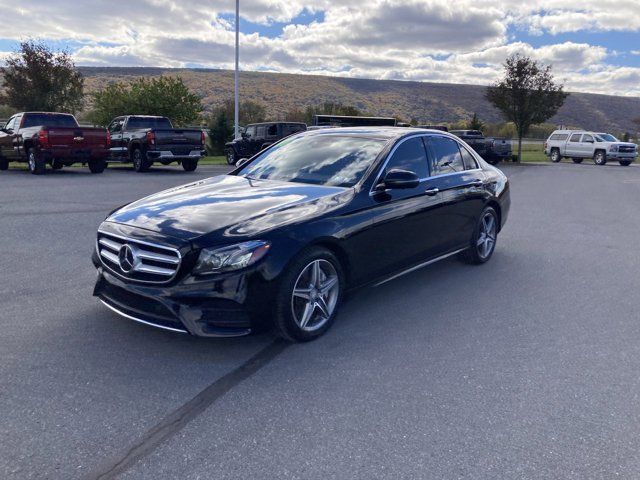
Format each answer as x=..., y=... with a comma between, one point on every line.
x=232, y=257
x=613, y=148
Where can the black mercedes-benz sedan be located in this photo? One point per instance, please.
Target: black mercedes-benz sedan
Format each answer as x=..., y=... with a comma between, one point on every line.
x=282, y=238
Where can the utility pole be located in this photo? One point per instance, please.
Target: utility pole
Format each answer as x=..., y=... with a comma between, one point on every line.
x=236, y=119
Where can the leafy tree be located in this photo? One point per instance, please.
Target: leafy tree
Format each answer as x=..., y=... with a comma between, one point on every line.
x=475, y=123
x=37, y=78
x=220, y=131
x=527, y=94
x=163, y=96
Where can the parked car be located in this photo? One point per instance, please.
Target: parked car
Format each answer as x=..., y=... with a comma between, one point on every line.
x=284, y=236
x=579, y=144
x=257, y=136
x=144, y=139
x=493, y=150
x=442, y=128
x=55, y=139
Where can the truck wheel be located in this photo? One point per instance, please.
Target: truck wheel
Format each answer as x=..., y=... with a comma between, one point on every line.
x=140, y=164
x=97, y=166
x=555, y=156
x=624, y=163
x=231, y=157
x=189, y=165
x=4, y=164
x=577, y=160
x=600, y=158
x=36, y=162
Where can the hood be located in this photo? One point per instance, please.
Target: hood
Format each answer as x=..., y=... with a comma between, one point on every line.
x=231, y=205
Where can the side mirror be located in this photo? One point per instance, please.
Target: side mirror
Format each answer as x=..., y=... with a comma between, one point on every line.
x=397, y=179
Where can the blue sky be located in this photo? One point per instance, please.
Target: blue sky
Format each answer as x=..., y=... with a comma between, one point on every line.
x=593, y=46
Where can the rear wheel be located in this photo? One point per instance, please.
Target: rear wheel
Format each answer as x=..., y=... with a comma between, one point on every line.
x=36, y=163
x=97, y=166
x=555, y=156
x=600, y=158
x=309, y=294
x=625, y=163
x=483, y=241
x=4, y=164
x=577, y=160
x=140, y=164
x=189, y=165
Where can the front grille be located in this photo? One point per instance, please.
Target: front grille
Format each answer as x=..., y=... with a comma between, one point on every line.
x=626, y=149
x=143, y=262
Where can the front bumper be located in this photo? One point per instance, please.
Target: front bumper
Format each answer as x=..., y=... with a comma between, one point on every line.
x=220, y=307
x=622, y=156
x=169, y=156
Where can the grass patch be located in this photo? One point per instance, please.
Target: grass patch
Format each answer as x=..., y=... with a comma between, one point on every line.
x=221, y=160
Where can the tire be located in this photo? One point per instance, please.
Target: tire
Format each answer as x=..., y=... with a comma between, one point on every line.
x=97, y=166
x=479, y=253
x=232, y=158
x=189, y=165
x=493, y=161
x=555, y=156
x=4, y=164
x=57, y=165
x=624, y=163
x=298, y=318
x=577, y=160
x=600, y=158
x=37, y=165
x=140, y=164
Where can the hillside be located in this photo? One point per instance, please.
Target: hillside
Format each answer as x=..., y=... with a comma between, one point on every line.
x=425, y=102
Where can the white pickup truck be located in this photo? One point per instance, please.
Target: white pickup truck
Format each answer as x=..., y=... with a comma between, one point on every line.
x=578, y=145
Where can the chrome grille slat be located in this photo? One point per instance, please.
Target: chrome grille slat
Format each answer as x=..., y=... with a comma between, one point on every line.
x=153, y=263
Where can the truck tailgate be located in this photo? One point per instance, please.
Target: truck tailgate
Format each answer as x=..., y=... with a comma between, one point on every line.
x=179, y=142
x=77, y=138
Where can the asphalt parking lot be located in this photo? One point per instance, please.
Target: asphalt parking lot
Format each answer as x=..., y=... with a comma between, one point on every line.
x=526, y=367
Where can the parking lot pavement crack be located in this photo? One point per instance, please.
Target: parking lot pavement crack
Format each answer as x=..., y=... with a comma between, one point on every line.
x=179, y=418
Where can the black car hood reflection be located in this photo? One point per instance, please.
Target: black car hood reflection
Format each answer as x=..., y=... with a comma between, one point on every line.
x=231, y=206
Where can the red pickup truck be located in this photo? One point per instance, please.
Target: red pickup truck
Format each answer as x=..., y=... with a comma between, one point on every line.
x=54, y=139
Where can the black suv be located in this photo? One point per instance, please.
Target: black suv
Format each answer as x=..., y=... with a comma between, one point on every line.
x=258, y=136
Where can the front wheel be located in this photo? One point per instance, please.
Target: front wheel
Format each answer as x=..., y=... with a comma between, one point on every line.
x=140, y=164
x=231, y=157
x=625, y=163
x=555, y=155
x=309, y=295
x=97, y=166
x=577, y=160
x=600, y=158
x=189, y=165
x=483, y=241
x=36, y=163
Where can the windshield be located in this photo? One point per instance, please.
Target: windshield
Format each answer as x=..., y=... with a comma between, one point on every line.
x=49, y=120
x=149, y=122
x=605, y=137
x=336, y=160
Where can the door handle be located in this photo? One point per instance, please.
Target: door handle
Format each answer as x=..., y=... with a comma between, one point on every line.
x=432, y=191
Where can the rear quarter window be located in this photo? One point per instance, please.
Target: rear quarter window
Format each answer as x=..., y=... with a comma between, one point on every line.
x=559, y=136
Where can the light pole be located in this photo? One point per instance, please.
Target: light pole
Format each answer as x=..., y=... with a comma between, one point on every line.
x=236, y=119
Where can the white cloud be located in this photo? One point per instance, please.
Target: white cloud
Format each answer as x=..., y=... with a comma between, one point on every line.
x=460, y=41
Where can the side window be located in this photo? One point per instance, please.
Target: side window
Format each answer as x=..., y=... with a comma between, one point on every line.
x=575, y=137
x=260, y=132
x=251, y=132
x=11, y=124
x=447, y=157
x=272, y=131
x=469, y=162
x=116, y=126
x=587, y=138
x=410, y=155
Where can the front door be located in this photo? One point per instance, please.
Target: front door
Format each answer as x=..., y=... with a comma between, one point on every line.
x=118, y=148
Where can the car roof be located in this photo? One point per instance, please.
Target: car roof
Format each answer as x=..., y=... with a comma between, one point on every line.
x=386, y=133
x=275, y=123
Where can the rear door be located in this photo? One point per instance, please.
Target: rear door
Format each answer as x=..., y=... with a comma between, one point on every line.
x=7, y=137
x=118, y=148
x=460, y=181
x=573, y=145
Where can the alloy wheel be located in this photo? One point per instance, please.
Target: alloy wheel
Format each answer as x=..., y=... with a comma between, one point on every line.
x=315, y=295
x=32, y=161
x=487, y=237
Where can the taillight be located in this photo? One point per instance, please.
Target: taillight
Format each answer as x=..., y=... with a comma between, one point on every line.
x=203, y=137
x=545, y=145
x=151, y=138
x=43, y=138
x=108, y=139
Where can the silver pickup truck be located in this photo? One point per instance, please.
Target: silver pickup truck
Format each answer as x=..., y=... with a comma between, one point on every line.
x=578, y=145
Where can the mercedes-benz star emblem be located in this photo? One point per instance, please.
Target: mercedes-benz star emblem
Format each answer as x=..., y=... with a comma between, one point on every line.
x=127, y=258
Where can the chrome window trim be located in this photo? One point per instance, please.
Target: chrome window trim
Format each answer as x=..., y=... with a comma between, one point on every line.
x=150, y=244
